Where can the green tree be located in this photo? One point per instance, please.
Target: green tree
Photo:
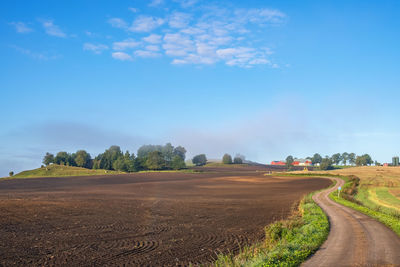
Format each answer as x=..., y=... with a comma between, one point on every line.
x=62, y=158
x=227, y=159
x=345, y=158
x=364, y=160
x=48, y=158
x=120, y=165
x=289, y=161
x=199, y=160
x=96, y=164
x=168, y=152
x=11, y=173
x=326, y=164
x=237, y=160
x=155, y=161
x=368, y=159
x=352, y=158
x=180, y=151
x=82, y=159
x=177, y=163
x=336, y=158
x=316, y=159
x=107, y=158
x=130, y=160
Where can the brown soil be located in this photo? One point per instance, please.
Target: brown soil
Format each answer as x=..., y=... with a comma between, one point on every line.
x=141, y=219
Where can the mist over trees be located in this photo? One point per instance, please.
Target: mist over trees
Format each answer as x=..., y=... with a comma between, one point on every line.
x=149, y=157
x=237, y=160
x=199, y=160
x=227, y=159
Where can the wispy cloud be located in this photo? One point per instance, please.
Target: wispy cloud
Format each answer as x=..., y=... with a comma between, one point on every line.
x=126, y=44
x=153, y=38
x=186, y=3
x=121, y=56
x=205, y=35
x=118, y=23
x=21, y=27
x=52, y=29
x=155, y=3
x=146, y=53
x=179, y=20
x=95, y=48
x=145, y=24
x=134, y=10
x=35, y=55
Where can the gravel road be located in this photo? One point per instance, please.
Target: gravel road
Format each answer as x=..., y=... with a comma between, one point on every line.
x=354, y=239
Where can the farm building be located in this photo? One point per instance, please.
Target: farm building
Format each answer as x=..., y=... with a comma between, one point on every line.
x=302, y=162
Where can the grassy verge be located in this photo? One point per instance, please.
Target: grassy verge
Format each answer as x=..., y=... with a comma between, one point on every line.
x=348, y=199
x=60, y=171
x=287, y=242
x=64, y=171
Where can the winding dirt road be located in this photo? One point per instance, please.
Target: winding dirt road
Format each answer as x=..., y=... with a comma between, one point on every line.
x=354, y=239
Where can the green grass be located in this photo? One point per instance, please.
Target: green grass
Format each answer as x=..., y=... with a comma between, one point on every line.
x=364, y=196
x=220, y=164
x=384, y=195
x=61, y=171
x=363, y=204
x=288, y=242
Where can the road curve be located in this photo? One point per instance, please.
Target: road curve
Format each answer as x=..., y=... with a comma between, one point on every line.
x=354, y=239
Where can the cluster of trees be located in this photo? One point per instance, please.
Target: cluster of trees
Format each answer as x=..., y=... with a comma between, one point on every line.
x=227, y=159
x=80, y=159
x=344, y=158
x=327, y=162
x=199, y=160
x=149, y=157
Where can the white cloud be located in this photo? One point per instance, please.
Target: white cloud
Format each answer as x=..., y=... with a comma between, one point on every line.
x=153, y=48
x=134, y=10
x=154, y=3
x=176, y=44
x=126, y=44
x=179, y=20
x=186, y=3
x=242, y=56
x=121, y=56
x=118, y=23
x=207, y=35
x=145, y=24
x=95, y=48
x=153, y=39
x=146, y=54
x=21, y=27
x=52, y=29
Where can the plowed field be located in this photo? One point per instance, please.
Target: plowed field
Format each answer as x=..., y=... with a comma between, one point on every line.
x=146, y=219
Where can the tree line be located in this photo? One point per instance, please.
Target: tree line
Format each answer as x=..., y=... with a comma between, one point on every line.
x=327, y=162
x=149, y=157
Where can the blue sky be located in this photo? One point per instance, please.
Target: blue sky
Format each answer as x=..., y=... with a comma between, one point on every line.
x=262, y=78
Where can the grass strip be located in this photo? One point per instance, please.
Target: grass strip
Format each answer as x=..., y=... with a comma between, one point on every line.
x=287, y=242
x=393, y=222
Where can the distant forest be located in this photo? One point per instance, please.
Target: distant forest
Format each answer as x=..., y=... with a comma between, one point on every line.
x=149, y=157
